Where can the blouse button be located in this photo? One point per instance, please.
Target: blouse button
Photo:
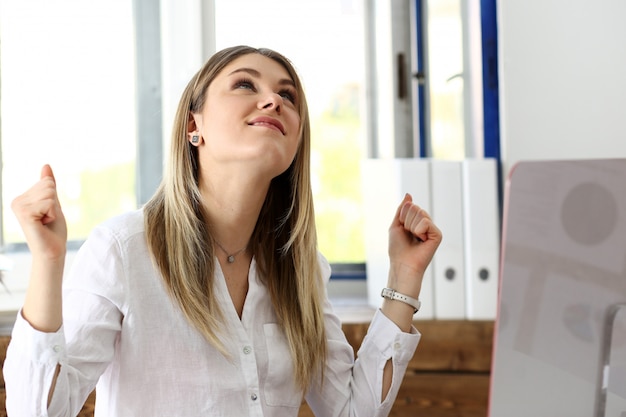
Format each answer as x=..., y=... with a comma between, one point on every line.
x=397, y=346
x=56, y=348
x=253, y=397
x=247, y=350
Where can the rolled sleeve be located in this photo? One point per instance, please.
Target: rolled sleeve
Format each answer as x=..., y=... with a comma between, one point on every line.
x=41, y=347
x=384, y=341
x=37, y=355
x=385, y=338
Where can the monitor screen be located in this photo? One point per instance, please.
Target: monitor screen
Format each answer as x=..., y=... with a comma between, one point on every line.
x=560, y=336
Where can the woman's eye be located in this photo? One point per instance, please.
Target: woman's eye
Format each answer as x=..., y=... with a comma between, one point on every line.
x=244, y=84
x=288, y=95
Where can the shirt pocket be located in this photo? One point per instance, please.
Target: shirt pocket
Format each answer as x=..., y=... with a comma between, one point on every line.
x=281, y=389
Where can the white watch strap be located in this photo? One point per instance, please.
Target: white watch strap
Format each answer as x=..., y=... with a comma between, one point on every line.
x=392, y=294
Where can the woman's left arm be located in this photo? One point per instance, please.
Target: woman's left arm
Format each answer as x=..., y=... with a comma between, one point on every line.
x=367, y=386
x=413, y=240
x=353, y=388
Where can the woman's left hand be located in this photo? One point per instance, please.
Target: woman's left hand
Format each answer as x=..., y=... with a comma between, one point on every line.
x=413, y=240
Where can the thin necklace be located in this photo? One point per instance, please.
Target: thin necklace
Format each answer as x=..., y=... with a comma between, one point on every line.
x=230, y=257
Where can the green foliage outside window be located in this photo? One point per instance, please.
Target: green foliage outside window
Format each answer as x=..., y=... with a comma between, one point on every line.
x=336, y=164
x=103, y=193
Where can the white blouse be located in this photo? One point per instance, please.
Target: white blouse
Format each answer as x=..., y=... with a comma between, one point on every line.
x=123, y=335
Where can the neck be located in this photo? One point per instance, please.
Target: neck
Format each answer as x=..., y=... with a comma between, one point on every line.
x=233, y=205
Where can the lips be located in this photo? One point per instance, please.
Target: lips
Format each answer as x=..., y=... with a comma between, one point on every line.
x=268, y=122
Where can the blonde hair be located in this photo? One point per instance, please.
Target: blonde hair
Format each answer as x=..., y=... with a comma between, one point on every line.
x=284, y=240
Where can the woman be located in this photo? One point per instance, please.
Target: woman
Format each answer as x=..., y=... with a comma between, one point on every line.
x=211, y=299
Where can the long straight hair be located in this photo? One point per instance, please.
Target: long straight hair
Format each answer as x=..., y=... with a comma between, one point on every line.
x=283, y=242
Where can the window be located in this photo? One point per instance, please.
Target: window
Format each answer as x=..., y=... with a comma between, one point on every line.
x=68, y=94
x=445, y=66
x=454, y=76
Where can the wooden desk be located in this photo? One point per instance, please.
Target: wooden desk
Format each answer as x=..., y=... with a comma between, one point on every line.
x=447, y=377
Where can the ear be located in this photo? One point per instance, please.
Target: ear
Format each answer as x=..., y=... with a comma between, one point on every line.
x=193, y=131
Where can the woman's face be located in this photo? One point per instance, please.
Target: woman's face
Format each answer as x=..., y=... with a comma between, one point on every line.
x=250, y=115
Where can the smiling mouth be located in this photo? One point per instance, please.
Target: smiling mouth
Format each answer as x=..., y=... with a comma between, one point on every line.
x=268, y=123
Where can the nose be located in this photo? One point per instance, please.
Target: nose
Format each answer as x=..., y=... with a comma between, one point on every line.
x=271, y=101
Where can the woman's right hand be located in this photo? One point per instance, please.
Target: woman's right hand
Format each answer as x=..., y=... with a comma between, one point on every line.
x=39, y=213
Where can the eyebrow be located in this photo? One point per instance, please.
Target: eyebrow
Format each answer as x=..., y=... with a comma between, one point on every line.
x=257, y=74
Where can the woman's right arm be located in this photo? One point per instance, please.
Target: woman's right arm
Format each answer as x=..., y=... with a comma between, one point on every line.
x=58, y=353
x=40, y=216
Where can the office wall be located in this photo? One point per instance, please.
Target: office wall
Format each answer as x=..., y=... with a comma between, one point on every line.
x=562, y=79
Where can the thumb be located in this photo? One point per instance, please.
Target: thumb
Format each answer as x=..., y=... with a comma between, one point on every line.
x=400, y=216
x=46, y=171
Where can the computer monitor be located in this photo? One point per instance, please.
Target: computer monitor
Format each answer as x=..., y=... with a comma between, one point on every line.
x=560, y=333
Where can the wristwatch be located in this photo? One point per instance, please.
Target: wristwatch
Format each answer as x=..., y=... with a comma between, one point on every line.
x=392, y=294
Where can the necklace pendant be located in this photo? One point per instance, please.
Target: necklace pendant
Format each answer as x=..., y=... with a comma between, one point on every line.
x=231, y=259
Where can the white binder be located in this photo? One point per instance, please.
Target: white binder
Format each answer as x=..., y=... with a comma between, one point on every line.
x=482, y=237
x=448, y=262
x=385, y=182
